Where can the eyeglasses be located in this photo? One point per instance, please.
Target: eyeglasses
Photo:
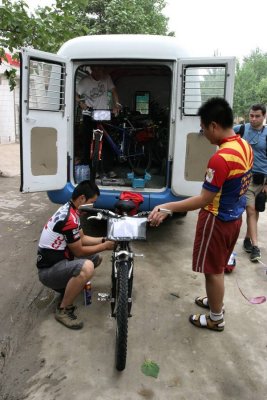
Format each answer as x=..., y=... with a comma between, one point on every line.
x=254, y=139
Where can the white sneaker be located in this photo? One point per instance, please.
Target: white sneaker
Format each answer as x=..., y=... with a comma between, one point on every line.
x=112, y=174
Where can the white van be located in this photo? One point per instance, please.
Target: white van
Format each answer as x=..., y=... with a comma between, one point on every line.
x=160, y=88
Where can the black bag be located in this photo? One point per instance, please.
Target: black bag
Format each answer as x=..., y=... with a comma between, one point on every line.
x=260, y=201
x=257, y=178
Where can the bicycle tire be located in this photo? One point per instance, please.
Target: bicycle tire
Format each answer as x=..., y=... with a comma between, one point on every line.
x=122, y=316
x=139, y=156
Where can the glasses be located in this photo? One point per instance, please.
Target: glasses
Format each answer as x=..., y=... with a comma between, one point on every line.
x=252, y=140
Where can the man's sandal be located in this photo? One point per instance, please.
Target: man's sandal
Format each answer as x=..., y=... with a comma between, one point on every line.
x=204, y=321
x=202, y=301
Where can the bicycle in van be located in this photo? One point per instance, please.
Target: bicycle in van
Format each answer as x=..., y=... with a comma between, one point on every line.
x=130, y=145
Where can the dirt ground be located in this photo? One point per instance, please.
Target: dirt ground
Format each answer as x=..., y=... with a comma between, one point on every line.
x=42, y=360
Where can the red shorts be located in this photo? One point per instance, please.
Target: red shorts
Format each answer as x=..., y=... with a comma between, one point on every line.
x=214, y=242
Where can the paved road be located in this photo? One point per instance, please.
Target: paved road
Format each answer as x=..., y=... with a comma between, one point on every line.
x=42, y=360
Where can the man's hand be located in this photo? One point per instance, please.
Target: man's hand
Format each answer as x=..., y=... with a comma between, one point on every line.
x=83, y=105
x=156, y=217
x=116, y=109
x=109, y=245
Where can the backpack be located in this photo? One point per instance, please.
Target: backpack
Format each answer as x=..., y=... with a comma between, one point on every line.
x=134, y=199
x=241, y=130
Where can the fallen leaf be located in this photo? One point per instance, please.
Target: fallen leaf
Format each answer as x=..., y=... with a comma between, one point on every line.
x=150, y=368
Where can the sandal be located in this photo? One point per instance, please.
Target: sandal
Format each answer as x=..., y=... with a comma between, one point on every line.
x=204, y=321
x=202, y=301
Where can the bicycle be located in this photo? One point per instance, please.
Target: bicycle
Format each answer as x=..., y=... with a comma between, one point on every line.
x=122, y=228
x=130, y=144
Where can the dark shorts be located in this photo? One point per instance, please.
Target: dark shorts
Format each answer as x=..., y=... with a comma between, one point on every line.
x=58, y=276
x=214, y=242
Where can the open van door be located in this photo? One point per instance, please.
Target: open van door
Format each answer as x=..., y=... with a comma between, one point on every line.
x=197, y=81
x=43, y=123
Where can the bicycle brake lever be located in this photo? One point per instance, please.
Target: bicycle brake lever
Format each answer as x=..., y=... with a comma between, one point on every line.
x=99, y=216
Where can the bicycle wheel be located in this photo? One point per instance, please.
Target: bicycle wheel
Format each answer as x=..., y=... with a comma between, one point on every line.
x=122, y=316
x=139, y=156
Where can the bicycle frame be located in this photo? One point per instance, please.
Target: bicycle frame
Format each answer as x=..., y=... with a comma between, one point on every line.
x=127, y=133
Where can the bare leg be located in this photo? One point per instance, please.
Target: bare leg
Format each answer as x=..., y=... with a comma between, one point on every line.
x=215, y=291
x=252, y=220
x=76, y=284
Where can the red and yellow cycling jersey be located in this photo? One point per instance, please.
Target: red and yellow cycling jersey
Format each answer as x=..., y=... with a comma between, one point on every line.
x=229, y=173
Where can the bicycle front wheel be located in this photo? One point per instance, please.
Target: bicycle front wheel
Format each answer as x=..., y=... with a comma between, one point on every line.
x=122, y=316
x=139, y=156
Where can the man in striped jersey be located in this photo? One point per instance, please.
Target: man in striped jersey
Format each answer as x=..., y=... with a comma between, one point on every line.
x=222, y=202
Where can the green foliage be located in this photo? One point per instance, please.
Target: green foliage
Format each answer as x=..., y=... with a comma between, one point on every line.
x=250, y=83
x=11, y=76
x=49, y=27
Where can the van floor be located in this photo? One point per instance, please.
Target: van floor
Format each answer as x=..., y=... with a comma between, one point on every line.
x=153, y=180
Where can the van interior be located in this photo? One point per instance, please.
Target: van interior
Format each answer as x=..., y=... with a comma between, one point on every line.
x=138, y=137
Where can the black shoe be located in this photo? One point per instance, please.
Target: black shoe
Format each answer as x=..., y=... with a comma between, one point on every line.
x=247, y=245
x=255, y=254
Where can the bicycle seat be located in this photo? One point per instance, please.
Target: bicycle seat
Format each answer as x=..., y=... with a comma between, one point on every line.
x=126, y=206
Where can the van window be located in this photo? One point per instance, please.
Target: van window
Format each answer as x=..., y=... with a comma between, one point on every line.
x=142, y=102
x=201, y=83
x=46, y=86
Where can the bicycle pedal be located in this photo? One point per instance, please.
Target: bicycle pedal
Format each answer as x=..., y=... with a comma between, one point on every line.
x=103, y=297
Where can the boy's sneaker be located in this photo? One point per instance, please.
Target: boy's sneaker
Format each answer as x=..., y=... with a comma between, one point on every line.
x=247, y=244
x=111, y=174
x=255, y=254
x=67, y=317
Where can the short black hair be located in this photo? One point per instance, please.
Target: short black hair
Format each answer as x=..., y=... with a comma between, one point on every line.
x=216, y=110
x=87, y=188
x=258, y=106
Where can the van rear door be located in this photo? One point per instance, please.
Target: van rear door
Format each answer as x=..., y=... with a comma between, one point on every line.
x=197, y=81
x=44, y=123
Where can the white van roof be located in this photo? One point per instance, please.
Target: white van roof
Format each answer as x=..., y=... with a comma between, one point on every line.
x=151, y=47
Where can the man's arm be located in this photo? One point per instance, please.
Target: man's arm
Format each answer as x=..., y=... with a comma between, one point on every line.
x=193, y=203
x=90, y=240
x=115, y=100
x=79, y=250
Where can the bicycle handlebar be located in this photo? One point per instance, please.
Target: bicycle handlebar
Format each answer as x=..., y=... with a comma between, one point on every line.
x=99, y=213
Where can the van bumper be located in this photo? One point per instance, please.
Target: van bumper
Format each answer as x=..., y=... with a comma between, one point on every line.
x=108, y=198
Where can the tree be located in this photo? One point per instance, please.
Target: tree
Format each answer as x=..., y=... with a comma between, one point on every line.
x=49, y=27
x=250, y=83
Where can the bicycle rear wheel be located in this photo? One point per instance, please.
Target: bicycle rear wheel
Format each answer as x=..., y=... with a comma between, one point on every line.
x=139, y=156
x=122, y=316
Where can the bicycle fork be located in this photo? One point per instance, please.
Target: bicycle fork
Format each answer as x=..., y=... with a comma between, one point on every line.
x=97, y=138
